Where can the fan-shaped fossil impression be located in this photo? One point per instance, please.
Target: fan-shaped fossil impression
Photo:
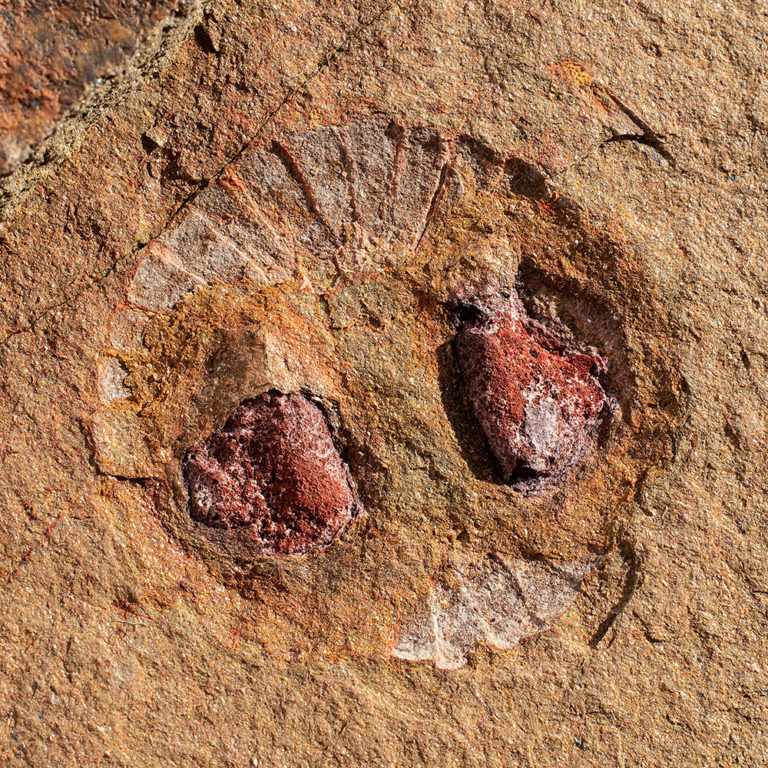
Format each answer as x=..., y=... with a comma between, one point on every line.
x=348, y=194
x=495, y=602
x=327, y=262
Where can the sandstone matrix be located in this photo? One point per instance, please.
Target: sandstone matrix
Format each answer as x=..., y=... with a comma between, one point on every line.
x=382, y=384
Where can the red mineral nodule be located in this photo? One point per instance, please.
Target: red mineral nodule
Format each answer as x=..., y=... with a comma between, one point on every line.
x=539, y=403
x=273, y=466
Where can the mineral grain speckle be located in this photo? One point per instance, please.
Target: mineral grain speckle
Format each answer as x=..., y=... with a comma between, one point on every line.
x=272, y=466
x=539, y=403
x=494, y=602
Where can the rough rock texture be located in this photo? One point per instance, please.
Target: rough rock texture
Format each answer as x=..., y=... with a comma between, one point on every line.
x=52, y=51
x=288, y=196
x=272, y=467
x=498, y=603
x=539, y=404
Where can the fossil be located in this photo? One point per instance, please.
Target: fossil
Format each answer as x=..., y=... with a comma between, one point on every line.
x=360, y=235
x=495, y=602
x=358, y=196
x=334, y=192
x=273, y=466
x=538, y=402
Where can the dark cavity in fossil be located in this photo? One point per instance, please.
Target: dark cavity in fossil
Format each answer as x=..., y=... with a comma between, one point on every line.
x=538, y=399
x=273, y=467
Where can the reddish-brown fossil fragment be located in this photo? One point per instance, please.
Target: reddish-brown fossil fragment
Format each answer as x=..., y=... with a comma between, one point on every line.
x=538, y=402
x=272, y=466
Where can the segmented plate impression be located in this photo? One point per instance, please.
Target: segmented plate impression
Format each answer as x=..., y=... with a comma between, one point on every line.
x=498, y=604
x=360, y=196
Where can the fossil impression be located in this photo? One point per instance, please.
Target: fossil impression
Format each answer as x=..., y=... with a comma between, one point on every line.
x=349, y=194
x=496, y=602
x=309, y=210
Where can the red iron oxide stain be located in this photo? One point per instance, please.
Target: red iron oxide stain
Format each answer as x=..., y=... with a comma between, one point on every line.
x=273, y=466
x=539, y=403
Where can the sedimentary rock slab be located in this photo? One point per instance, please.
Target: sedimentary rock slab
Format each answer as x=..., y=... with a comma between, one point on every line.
x=292, y=197
x=52, y=52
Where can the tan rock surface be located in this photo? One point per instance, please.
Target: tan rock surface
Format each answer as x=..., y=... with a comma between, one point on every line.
x=196, y=235
x=51, y=53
